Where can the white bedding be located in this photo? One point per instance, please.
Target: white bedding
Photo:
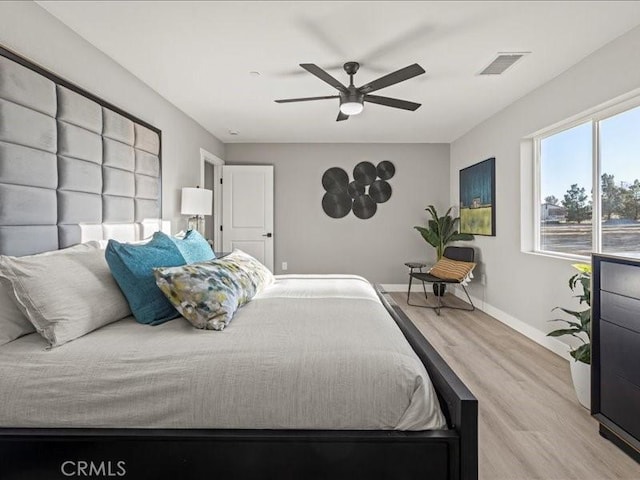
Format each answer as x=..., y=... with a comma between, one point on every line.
x=310, y=352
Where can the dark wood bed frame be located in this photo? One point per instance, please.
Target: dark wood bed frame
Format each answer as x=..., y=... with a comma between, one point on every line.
x=452, y=454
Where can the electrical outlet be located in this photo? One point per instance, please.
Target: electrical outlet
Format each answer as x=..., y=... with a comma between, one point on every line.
x=483, y=279
x=284, y=266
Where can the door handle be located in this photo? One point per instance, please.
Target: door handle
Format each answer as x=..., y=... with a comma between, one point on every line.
x=268, y=235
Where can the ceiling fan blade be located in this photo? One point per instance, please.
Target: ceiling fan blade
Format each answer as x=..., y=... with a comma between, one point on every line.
x=404, y=38
x=341, y=117
x=324, y=76
x=306, y=99
x=396, y=77
x=392, y=102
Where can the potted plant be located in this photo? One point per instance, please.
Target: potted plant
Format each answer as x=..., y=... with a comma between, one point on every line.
x=440, y=231
x=580, y=328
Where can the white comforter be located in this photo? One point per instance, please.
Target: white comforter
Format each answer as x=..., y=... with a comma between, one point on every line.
x=310, y=352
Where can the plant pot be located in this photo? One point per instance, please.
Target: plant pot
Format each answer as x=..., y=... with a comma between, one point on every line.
x=581, y=376
x=439, y=289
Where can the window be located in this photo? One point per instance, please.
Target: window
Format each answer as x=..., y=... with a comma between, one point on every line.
x=620, y=184
x=577, y=215
x=565, y=188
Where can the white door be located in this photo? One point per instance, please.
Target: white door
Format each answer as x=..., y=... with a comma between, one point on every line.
x=247, y=211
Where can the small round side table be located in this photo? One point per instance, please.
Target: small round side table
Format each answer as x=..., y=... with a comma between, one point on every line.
x=414, y=265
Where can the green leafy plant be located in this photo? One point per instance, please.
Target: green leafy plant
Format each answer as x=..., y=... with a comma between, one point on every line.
x=441, y=230
x=582, y=322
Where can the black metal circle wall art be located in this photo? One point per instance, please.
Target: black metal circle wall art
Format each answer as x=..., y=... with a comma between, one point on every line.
x=386, y=170
x=365, y=173
x=336, y=205
x=364, y=207
x=335, y=180
x=362, y=195
x=380, y=191
x=355, y=189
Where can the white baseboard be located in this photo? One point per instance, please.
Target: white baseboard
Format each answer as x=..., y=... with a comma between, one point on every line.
x=538, y=336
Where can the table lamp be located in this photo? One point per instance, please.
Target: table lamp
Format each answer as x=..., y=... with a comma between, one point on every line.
x=196, y=202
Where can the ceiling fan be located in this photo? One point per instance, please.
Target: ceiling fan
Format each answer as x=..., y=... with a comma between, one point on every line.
x=352, y=98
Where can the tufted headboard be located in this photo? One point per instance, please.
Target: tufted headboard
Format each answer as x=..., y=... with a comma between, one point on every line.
x=72, y=166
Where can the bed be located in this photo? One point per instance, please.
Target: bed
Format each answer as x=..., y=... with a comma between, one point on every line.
x=307, y=353
x=317, y=377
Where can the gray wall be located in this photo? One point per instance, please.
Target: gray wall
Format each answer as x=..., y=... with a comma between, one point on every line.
x=311, y=242
x=30, y=31
x=526, y=286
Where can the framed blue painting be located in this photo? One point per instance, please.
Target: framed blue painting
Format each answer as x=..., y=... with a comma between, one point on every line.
x=478, y=198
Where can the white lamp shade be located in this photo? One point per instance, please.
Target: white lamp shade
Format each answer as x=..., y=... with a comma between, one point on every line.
x=196, y=201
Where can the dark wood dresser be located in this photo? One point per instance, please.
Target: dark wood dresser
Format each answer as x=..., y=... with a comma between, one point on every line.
x=615, y=332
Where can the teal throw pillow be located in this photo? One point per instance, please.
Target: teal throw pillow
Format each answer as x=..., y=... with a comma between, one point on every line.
x=132, y=267
x=194, y=248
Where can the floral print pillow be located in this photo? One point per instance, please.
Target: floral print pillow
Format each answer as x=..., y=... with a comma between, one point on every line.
x=209, y=293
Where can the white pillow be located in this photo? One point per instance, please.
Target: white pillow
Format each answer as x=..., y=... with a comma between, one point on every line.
x=13, y=323
x=67, y=293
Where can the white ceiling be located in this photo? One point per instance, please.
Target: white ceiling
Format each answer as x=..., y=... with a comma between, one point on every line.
x=198, y=55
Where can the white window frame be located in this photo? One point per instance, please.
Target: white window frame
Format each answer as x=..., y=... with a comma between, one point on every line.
x=595, y=116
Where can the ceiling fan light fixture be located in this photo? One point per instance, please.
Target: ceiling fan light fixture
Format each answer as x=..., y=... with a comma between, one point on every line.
x=352, y=98
x=351, y=108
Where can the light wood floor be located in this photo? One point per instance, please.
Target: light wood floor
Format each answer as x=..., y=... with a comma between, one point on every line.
x=530, y=424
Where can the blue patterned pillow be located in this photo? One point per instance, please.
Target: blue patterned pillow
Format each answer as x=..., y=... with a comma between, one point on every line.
x=132, y=267
x=194, y=248
x=209, y=293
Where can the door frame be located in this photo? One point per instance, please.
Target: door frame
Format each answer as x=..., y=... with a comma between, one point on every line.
x=217, y=162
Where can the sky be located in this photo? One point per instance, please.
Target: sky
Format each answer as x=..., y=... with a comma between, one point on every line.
x=566, y=157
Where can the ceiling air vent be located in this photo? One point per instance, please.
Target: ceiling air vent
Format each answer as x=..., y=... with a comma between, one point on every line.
x=502, y=62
